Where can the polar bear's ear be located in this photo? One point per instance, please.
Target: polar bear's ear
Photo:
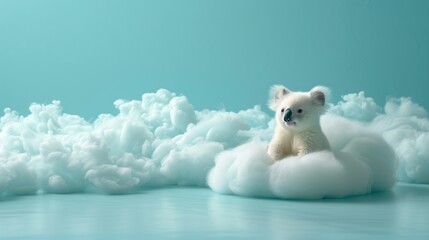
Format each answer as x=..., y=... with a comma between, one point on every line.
x=277, y=92
x=318, y=95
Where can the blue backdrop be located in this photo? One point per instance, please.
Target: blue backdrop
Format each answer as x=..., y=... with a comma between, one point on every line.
x=220, y=54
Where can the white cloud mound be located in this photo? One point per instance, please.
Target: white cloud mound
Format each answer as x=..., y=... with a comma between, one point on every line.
x=403, y=124
x=161, y=140
x=360, y=162
x=158, y=141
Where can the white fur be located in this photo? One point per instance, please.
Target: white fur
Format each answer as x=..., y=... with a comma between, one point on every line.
x=302, y=134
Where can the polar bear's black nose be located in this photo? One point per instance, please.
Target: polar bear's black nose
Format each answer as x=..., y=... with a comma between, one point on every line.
x=288, y=115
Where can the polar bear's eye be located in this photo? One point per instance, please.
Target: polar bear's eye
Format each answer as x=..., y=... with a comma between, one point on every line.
x=283, y=110
x=299, y=110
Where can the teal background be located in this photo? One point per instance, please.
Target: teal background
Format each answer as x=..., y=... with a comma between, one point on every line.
x=220, y=54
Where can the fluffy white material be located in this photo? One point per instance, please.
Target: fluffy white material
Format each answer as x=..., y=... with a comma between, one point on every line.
x=360, y=162
x=161, y=140
x=403, y=124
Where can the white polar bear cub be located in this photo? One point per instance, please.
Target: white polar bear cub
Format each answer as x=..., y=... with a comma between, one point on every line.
x=298, y=130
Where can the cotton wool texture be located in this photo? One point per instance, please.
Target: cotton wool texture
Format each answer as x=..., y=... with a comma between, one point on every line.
x=360, y=162
x=161, y=140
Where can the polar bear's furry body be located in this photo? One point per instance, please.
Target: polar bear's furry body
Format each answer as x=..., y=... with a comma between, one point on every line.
x=298, y=130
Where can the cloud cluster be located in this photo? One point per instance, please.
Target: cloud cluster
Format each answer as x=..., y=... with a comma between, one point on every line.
x=161, y=140
x=402, y=123
x=158, y=141
x=360, y=162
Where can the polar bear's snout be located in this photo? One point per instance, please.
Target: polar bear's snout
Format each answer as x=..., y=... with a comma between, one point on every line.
x=288, y=115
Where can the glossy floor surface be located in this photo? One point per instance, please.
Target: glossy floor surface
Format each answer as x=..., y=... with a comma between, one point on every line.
x=197, y=213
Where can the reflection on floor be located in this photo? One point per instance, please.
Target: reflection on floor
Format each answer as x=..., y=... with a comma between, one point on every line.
x=198, y=213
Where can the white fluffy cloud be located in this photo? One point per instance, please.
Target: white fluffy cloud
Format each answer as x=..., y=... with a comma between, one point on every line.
x=360, y=162
x=161, y=140
x=403, y=124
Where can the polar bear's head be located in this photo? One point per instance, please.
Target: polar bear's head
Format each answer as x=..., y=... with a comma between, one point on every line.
x=298, y=111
